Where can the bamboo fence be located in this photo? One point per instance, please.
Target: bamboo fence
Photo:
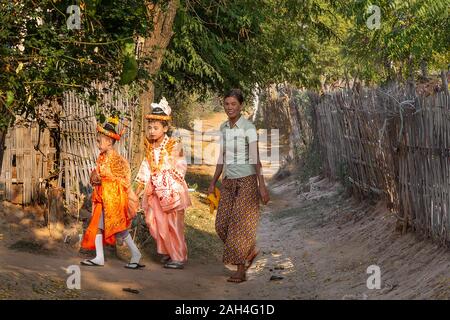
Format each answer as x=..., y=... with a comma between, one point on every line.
x=26, y=169
x=78, y=139
x=398, y=147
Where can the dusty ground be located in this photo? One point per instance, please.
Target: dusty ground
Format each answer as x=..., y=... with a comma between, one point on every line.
x=315, y=239
x=322, y=242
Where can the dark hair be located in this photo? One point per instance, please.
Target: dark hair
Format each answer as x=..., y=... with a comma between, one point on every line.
x=237, y=93
x=158, y=111
x=110, y=127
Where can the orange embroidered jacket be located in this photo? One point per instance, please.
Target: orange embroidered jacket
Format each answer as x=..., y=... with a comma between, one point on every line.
x=111, y=198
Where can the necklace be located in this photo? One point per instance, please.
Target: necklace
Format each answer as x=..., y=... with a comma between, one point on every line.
x=165, y=149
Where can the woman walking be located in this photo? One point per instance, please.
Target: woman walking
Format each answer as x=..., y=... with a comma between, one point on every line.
x=242, y=187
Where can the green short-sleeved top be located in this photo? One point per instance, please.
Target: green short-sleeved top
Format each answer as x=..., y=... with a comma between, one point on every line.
x=235, y=145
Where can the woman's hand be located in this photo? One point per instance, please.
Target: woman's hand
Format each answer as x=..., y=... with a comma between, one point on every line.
x=211, y=188
x=264, y=193
x=95, y=178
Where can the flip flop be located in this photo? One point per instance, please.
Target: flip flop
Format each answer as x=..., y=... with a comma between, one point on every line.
x=236, y=280
x=174, y=265
x=252, y=259
x=134, y=266
x=90, y=263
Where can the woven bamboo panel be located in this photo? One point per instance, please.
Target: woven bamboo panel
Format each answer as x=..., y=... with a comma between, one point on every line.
x=387, y=143
x=78, y=139
x=26, y=163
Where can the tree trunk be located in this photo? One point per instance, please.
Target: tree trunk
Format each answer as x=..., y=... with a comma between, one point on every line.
x=424, y=69
x=154, y=47
x=444, y=82
x=2, y=145
x=411, y=81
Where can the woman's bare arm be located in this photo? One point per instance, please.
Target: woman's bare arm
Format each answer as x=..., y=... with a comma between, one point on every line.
x=217, y=173
x=264, y=193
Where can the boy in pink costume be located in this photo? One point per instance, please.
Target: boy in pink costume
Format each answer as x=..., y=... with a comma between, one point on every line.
x=165, y=197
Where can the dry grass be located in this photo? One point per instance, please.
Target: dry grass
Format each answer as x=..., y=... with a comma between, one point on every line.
x=201, y=237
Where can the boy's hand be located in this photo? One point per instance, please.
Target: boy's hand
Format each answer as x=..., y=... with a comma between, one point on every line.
x=95, y=178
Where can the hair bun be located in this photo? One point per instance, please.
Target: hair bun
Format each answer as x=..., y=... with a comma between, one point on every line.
x=110, y=127
x=158, y=111
x=163, y=105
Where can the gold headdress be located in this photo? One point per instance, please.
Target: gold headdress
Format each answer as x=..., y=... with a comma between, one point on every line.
x=164, y=106
x=111, y=134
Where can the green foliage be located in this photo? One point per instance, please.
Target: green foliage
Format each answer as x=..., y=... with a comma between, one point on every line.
x=192, y=107
x=216, y=45
x=207, y=37
x=41, y=58
x=130, y=65
x=243, y=43
x=411, y=32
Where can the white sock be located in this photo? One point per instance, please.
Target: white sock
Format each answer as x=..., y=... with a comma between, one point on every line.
x=135, y=253
x=100, y=258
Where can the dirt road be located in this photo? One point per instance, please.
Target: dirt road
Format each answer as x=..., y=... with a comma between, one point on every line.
x=315, y=243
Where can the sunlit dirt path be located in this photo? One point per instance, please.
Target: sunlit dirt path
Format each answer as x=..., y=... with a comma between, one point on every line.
x=315, y=243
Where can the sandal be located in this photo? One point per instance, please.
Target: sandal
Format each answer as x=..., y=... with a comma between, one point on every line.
x=237, y=280
x=90, y=263
x=174, y=265
x=134, y=266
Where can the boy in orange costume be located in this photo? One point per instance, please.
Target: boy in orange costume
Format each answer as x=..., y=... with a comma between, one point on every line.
x=114, y=203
